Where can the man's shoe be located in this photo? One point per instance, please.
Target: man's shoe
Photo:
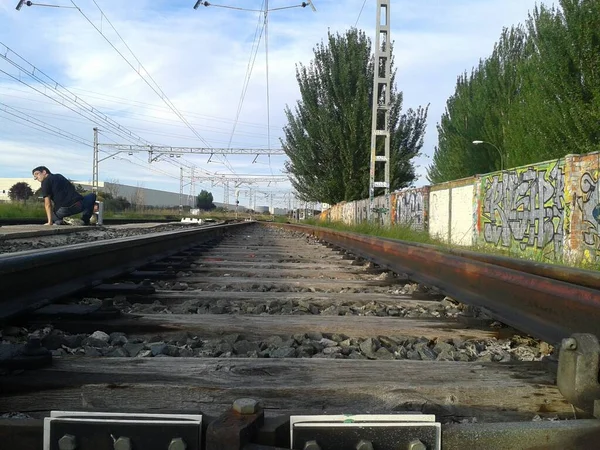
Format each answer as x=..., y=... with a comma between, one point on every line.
x=73, y=221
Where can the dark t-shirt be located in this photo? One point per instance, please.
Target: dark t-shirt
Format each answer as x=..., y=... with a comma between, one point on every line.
x=60, y=190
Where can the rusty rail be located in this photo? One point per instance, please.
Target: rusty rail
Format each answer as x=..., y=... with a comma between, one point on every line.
x=548, y=307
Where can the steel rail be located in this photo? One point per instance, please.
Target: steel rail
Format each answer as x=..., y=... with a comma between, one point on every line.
x=41, y=221
x=547, y=308
x=35, y=278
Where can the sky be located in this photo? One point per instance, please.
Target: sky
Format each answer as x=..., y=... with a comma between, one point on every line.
x=118, y=65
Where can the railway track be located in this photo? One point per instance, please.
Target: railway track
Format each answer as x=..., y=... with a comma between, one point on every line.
x=283, y=324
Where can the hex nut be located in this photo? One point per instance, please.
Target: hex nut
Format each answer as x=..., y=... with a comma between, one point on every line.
x=67, y=442
x=416, y=445
x=177, y=444
x=311, y=445
x=569, y=344
x=245, y=406
x=123, y=443
x=363, y=444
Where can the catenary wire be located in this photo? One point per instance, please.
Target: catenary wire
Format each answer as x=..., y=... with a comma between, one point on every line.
x=153, y=84
x=360, y=13
x=249, y=69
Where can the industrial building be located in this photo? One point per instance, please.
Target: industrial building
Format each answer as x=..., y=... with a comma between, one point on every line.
x=134, y=194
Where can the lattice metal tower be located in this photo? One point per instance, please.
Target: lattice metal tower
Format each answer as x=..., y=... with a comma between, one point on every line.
x=226, y=193
x=95, y=166
x=380, y=133
x=180, y=189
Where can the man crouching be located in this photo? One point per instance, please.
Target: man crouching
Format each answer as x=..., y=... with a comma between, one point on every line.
x=67, y=201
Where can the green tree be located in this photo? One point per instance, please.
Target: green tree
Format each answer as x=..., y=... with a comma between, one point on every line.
x=328, y=135
x=20, y=191
x=537, y=97
x=204, y=201
x=481, y=109
x=112, y=203
x=563, y=80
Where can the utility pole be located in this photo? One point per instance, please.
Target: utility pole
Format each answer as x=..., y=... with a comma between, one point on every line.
x=226, y=194
x=180, y=190
x=381, y=108
x=95, y=164
x=192, y=194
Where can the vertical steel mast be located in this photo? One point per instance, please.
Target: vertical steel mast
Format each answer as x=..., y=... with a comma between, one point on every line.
x=380, y=133
x=95, y=164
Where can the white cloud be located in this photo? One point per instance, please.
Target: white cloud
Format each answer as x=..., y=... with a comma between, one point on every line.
x=199, y=59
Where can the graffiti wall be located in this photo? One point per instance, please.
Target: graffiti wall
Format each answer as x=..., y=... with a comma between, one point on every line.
x=582, y=195
x=550, y=210
x=410, y=208
x=522, y=209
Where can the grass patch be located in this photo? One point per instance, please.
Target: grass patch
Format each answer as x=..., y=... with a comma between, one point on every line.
x=29, y=210
x=35, y=210
x=396, y=232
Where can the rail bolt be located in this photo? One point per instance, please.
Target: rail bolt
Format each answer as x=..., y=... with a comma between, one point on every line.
x=416, y=445
x=107, y=303
x=364, y=445
x=311, y=445
x=67, y=442
x=177, y=444
x=569, y=344
x=123, y=443
x=245, y=406
x=35, y=343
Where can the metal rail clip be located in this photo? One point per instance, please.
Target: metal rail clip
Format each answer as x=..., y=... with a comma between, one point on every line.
x=67, y=430
x=366, y=432
x=579, y=371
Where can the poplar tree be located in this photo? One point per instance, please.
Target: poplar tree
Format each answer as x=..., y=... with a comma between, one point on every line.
x=481, y=110
x=537, y=97
x=328, y=135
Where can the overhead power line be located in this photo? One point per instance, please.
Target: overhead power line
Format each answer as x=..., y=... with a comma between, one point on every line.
x=250, y=67
x=41, y=125
x=359, y=14
x=144, y=74
x=264, y=10
x=150, y=106
x=301, y=5
x=62, y=95
x=153, y=131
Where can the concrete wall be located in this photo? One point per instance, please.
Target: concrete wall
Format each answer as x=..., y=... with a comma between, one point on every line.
x=549, y=210
x=462, y=225
x=439, y=213
x=451, y=211
x=522, y=209
x=411, y=208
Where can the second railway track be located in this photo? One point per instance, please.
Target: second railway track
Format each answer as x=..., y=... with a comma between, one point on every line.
x=303, y=328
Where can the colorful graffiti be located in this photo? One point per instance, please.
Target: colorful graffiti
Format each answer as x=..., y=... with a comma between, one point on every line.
x=524, y=208
x=550, y=209
x=589, y=204
x=411, y=209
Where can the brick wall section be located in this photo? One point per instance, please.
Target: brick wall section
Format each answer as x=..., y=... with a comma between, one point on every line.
x=582, y=208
